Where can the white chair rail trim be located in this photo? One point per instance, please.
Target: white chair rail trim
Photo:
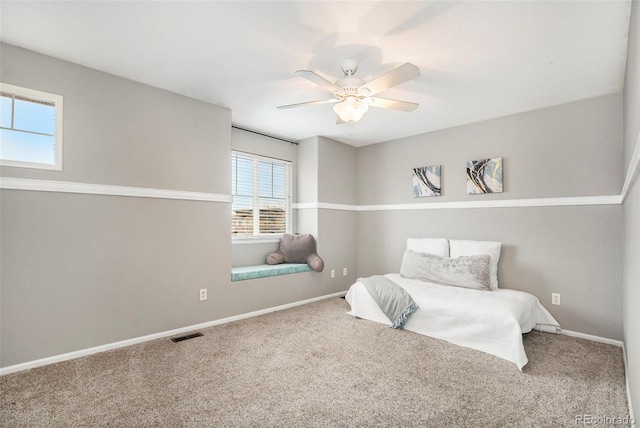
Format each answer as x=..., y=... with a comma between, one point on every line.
x=496, y=203
x=10, y=183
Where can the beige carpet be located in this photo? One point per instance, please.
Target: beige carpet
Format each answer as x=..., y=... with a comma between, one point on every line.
x=315, y=366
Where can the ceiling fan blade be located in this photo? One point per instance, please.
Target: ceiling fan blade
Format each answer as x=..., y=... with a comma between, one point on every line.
x=308, y=103
x=392, y=104
x=398, y=75
x=340, y=121
x=318, y=80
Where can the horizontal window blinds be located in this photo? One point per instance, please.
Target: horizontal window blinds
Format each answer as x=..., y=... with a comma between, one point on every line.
x=261, y=190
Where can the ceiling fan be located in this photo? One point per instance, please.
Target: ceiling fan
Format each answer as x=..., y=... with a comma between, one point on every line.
x=352, y=96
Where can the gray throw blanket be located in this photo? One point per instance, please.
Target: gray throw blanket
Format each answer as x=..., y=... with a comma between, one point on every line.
x=396, y=303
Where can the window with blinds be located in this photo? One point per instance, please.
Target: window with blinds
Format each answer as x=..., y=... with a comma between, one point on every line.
x=261, y=189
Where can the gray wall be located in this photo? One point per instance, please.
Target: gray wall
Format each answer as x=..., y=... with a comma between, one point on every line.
x=631, y=292
x=85, y=270
x=337, y=172
x=337, y=167
x=120, y=132
x=569, y=150
x=632, y=86
x=327, y=174
x=79, y=271
x=631, y=283
x=308, y=153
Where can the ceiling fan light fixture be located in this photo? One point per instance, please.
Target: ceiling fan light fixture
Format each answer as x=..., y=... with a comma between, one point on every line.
x=351, y=110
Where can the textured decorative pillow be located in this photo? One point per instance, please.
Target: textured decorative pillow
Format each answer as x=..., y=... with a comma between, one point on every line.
x=297, y=249
x=435, y=246
x=465, y=271
x=475, y=248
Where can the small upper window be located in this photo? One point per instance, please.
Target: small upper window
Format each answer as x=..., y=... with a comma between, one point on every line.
x=30, y=128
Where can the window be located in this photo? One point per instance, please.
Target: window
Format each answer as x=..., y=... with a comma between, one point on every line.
x=30, y=128
x=261, y=189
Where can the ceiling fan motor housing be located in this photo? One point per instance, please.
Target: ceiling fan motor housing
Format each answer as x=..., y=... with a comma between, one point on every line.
x=348, y=87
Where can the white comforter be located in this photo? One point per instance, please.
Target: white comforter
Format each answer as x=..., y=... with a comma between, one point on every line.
x=489, y=321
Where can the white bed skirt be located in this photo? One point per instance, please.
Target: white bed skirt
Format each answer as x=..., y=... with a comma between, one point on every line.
x=488, y=321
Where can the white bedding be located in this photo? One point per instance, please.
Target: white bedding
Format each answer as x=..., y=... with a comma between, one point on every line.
x=489, y=321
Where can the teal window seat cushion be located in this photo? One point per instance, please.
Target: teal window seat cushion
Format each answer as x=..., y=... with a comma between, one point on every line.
x=242, y=273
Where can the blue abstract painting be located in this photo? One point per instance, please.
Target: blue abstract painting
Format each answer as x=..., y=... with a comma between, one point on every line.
x=426, y=181
x=484, y=176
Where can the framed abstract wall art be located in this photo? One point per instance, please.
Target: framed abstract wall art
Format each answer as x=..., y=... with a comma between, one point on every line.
x=426, y=181
x=484, y=176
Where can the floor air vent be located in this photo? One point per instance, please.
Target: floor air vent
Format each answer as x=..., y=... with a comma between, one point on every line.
x=185, y=337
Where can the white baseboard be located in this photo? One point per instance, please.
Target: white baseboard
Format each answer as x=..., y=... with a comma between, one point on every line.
x=626, y=379
x=593, y=338
x=136, y=340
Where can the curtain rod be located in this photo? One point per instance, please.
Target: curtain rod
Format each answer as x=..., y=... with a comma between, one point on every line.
x=264, y=135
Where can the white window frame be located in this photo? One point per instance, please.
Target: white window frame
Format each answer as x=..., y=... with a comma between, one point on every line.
x=258, y=237
x=41, y=96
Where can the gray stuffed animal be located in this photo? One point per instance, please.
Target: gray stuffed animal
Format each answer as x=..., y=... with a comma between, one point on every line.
x=297, y=249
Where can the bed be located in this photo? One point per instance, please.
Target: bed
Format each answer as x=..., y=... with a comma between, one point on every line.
x=488, y=320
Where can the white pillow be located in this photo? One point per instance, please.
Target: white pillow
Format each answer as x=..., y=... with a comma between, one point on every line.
x=475, y=248
x=434, y=246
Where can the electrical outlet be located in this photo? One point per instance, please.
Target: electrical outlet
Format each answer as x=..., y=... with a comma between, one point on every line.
x=203, y=294
x=344, y=272
x=555, y=299
x=333, y=273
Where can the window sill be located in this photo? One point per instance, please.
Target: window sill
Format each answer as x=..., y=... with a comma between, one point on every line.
x=256, y=239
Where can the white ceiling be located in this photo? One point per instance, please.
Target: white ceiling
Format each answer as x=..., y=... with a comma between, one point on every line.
x=479, y=59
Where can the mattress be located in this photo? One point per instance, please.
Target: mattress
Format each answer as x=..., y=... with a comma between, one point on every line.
x=488, y=321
